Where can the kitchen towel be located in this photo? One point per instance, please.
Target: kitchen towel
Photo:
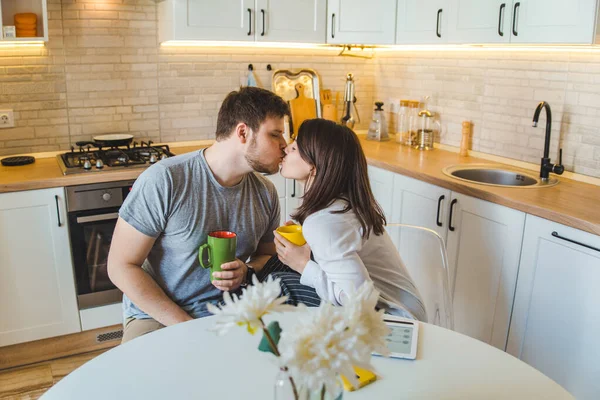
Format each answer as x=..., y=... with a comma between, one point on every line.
x=251, y=81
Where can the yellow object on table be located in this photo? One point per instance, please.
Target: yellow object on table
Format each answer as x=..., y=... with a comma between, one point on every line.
x=364, y=377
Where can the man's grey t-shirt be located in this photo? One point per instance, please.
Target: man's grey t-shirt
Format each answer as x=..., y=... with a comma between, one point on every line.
x=178, y=201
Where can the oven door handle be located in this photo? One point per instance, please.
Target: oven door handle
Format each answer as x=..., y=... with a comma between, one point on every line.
x=94, y=218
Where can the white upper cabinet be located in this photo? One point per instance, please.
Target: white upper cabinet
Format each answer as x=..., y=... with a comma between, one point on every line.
x=553, y=21
x=37, y=287
x=484, y=246
x=206, y=20
x=556, y=319
x=479, y=21
x=422, y=21
x=8, y=9
x=360, y=22
x=301, y=21
x=243, y=20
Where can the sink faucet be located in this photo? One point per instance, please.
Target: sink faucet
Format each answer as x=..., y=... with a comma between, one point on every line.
x=546, y=166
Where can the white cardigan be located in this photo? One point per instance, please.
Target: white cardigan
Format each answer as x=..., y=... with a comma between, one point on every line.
x=344, y=260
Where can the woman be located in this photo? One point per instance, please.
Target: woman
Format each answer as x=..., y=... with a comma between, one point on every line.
x=343, y=226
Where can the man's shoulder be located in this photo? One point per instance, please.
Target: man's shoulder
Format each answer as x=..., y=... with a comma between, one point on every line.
x=180, y=160
x=172, y=168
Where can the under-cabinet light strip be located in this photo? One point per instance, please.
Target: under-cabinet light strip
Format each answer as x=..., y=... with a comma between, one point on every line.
x=390, y=48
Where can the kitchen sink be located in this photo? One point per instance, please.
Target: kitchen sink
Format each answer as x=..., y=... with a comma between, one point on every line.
x=496, y=175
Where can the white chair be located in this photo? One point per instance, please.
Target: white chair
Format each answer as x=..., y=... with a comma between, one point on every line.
x=424, y=253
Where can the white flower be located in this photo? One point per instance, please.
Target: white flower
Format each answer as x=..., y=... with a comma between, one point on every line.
x=254, y=303
x=329, y=341
x=319, y=348
x=366, y=323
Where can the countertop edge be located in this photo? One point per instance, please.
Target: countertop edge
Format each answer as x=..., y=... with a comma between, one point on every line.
x=438, y=179
x=478, y=191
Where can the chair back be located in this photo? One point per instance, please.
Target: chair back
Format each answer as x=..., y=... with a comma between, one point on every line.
x=424, y=254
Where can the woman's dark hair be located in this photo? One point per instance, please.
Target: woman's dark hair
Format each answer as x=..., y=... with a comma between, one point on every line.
x=341, y=173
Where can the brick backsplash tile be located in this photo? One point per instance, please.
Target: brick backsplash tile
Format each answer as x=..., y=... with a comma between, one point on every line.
x=498, y=91
x=103, y=71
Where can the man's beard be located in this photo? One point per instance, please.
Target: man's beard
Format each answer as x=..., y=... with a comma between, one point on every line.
x=252, y=157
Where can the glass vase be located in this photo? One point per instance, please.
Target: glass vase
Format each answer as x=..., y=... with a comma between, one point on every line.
x=284, y=390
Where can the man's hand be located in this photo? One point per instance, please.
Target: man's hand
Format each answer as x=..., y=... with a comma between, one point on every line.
x=291, y=255
x=231, y=277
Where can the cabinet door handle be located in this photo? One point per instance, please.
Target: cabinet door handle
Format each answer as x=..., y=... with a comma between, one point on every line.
x=451, y=212
x=514, y=25
x=262, y=11
x=249, y=21
x=57, y=211
x=437, y=218
x=556, y=235
x=294, y=189
x=500, y=15
x=332, y=26
x=437, y=28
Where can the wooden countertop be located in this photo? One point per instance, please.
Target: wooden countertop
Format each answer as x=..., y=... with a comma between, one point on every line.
x=45, y=173
x=570, y=202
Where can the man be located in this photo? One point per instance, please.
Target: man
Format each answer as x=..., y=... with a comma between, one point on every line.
x=174, y=204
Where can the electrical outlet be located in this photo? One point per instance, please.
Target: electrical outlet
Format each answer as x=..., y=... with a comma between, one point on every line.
x=7, y=119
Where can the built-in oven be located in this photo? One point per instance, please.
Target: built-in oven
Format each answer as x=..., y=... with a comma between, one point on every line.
x=92, y=214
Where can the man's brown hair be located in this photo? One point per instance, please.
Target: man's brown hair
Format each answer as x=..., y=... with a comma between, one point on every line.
x=251, y=106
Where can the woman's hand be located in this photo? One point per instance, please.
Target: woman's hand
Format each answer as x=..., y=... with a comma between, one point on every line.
x=291, y=255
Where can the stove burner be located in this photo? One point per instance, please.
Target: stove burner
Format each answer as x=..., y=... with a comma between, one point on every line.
x=112, y=158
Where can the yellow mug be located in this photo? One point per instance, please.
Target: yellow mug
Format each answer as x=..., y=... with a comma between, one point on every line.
x=293, y=233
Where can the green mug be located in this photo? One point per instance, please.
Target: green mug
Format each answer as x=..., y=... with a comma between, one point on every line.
x=221, y=246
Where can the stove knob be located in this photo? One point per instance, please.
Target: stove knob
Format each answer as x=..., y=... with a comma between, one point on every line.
x=153, y=159
x=99, y=164
x=164, y=156
x=106, y=196
x=87, y=164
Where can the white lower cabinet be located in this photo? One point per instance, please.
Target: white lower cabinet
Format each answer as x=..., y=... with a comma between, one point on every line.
x=37, y=287
x=484, y=246
x=555, y=326
x=421, y=204
x=483, y=243
x=280, y=184
x=293, y=198
x=382, y=186
x=290, y=194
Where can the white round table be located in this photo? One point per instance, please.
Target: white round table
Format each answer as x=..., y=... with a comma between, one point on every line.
x=186, y=361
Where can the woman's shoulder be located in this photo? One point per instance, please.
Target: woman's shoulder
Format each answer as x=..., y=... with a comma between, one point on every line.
x=331, y=217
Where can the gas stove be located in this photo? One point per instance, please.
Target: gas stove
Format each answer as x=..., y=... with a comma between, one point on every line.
x=89, y=159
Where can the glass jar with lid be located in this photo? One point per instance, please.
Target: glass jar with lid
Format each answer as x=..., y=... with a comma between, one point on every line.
x=428, y=128
x=413, y=116
x=402, y=122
